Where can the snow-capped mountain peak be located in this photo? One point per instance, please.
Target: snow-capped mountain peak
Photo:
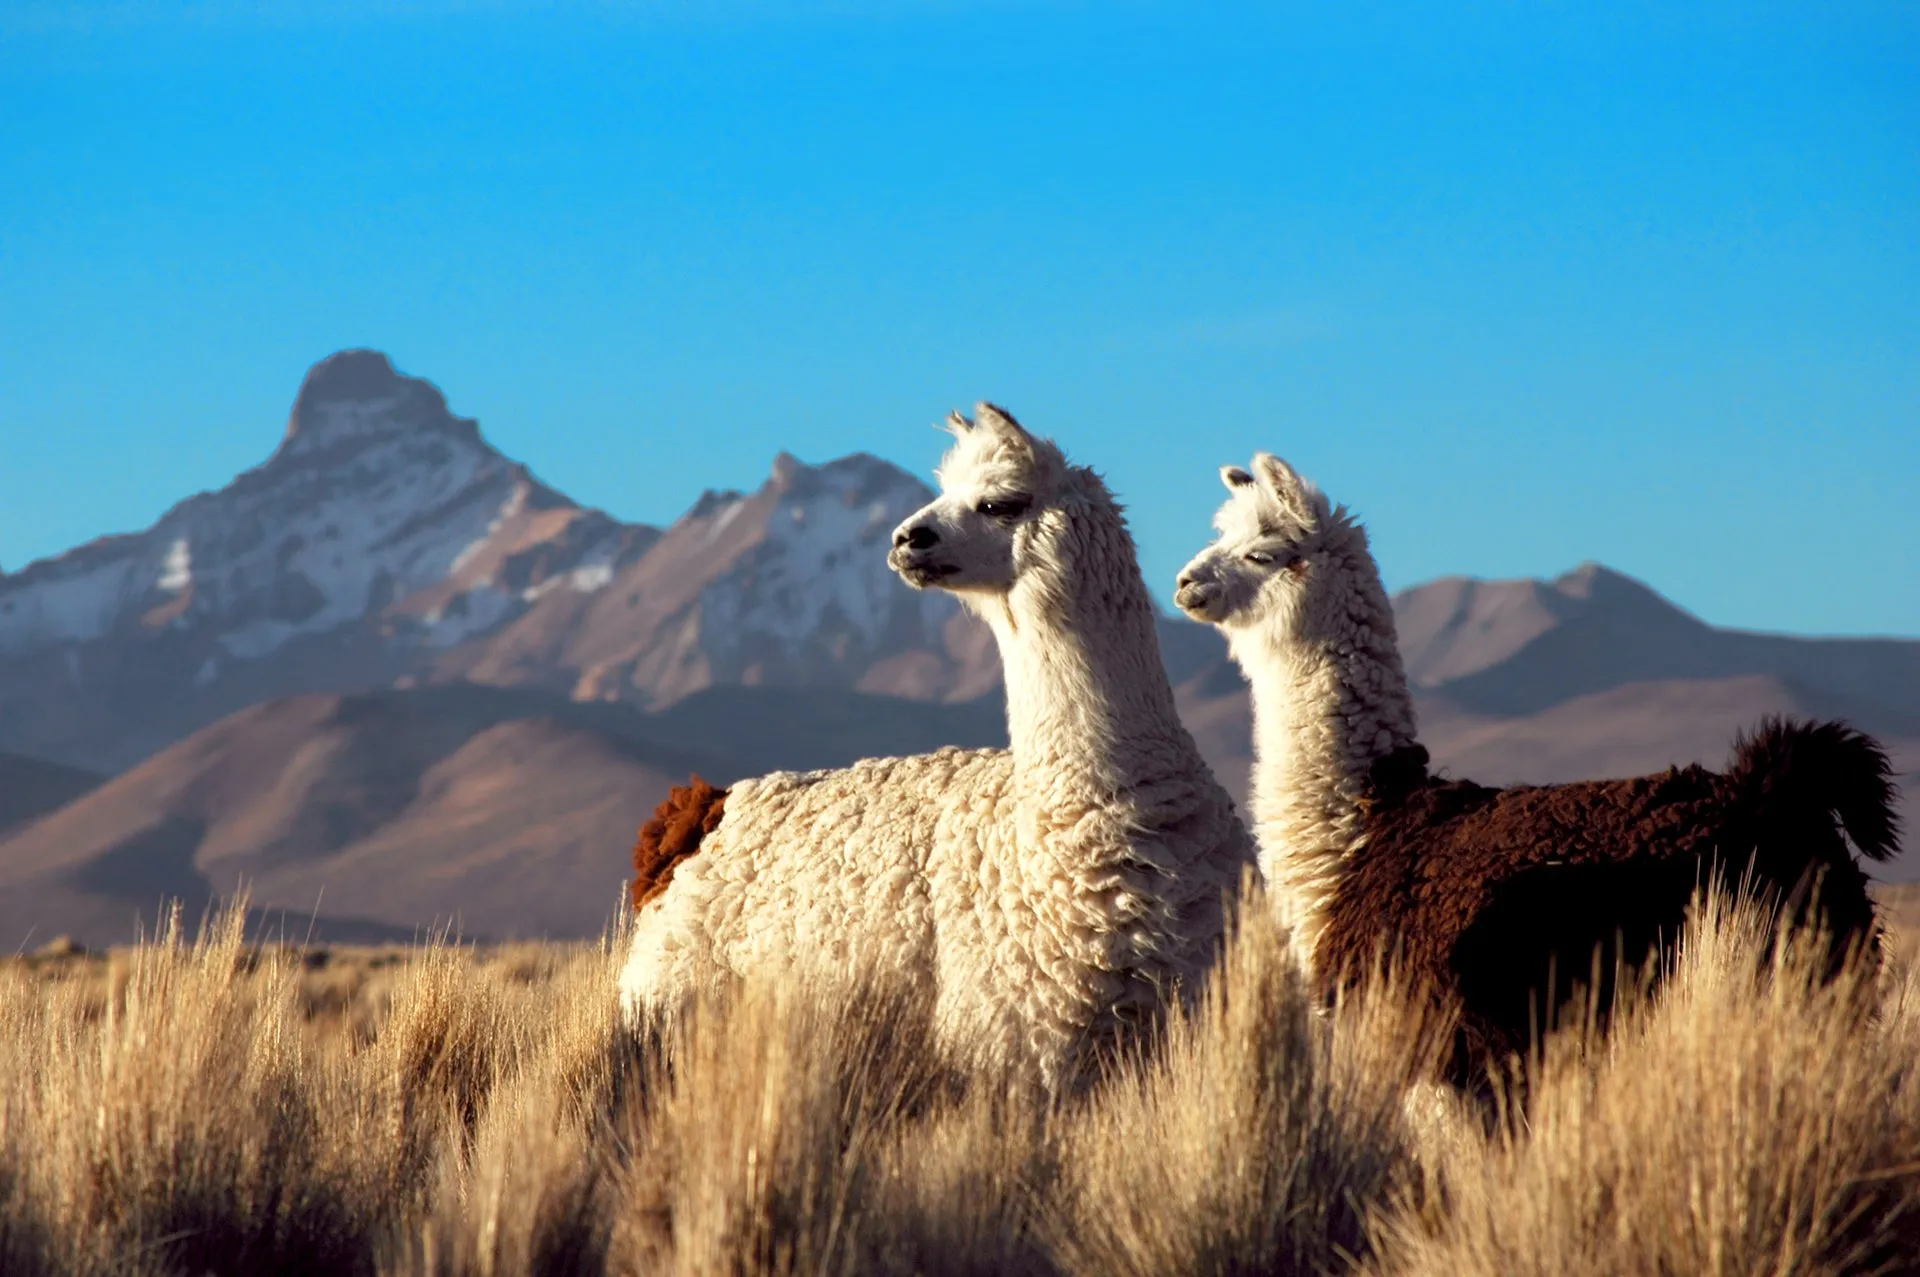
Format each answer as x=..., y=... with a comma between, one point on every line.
x=356, y=396
x=821, y=573
x=381, y=530
x=378, y=493
x=385, y=541
x=787, y=584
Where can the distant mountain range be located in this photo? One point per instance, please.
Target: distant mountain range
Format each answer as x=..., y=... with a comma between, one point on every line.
x=389, y=679
x=384, y=543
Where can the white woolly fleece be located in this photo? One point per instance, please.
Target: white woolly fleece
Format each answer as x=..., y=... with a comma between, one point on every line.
x=816, y=873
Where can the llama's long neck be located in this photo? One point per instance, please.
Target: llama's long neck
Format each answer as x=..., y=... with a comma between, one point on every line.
x=1123, y=847
x=1329, y=699
x=1090, y=715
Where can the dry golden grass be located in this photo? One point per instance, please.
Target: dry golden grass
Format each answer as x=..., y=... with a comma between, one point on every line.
x=1899, y=904
x=1252, y=1140
x=1751, y=1119
x=194, y=1106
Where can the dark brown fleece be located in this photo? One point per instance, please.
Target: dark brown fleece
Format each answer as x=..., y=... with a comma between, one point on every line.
x=690, y=813
x=1485, y=892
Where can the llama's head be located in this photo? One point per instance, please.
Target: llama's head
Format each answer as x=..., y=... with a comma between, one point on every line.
x=1003, y=493
x=1281, y=557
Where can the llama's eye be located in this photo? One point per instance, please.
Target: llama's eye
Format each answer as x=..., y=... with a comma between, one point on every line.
x=1003, y=507
x=1260, y=557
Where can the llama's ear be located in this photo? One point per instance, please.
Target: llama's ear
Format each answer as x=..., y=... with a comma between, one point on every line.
x=957, y=424
x=1284, y=484
x=993, y=417
x=1235, y=477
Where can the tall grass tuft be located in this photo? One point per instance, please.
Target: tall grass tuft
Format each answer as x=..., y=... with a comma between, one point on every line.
x=528, y=1195
x=791, y=1129
x=1255, y=1139
x=186, y=1126
x=1751, y=1118
x=197, y=1106
x=532, y=1068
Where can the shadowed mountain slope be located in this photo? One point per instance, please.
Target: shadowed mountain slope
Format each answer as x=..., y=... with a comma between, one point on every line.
x=31, y=787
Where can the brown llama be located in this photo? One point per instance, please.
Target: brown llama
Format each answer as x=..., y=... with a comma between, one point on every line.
x=1503, y=900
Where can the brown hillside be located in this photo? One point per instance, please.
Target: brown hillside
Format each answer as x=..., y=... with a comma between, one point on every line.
x=505, y=811
x=509, y=812
x=1511, y=648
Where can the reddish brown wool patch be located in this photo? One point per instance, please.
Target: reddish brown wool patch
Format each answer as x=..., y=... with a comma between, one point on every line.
x=690, y=813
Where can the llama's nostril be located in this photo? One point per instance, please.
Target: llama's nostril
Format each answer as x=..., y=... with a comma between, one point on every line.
x=918, y=537
x=1185, y=580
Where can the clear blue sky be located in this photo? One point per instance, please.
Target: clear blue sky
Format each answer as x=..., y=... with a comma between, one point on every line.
x=1525, y=284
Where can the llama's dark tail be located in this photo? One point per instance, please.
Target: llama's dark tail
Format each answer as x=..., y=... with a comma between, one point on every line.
x=1797, y=775
x=690, y=813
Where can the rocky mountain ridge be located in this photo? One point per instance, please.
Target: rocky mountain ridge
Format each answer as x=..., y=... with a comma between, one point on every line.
x=1520, y=647
x=784, y=586
x=385, y=543
x=378, y=503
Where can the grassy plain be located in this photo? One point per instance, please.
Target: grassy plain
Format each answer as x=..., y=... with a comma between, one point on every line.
x=200, y=1105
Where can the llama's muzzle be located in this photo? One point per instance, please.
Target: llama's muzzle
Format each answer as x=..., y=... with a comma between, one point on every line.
x=1197, y=598
x=917, y=567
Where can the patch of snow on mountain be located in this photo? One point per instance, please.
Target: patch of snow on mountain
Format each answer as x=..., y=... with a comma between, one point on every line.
x=825, y=558
x=514, y=505
x=176, y=570
x=398, y=519
x=589, y=577
x=475, y=612
x=585, y=579
x=728, y=514
x=70, y=603
x=473, y=548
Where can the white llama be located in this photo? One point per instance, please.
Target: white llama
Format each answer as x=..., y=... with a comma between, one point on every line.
x=1496, y=899
x=1051, y=896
